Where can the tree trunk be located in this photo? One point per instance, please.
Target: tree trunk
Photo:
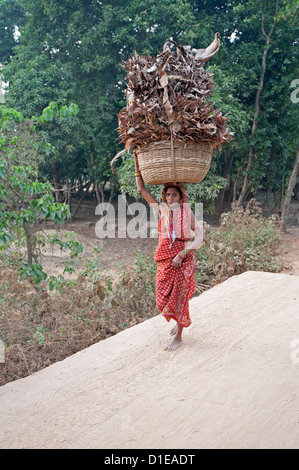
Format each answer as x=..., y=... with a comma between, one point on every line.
x=96, y=184
x=228, y=162
x=257, y=101
x=287, y=200
x=69, y=197
x=96, y=187
x=55, y=181
x=101, y=191
x=27, y=231
x=236, y=183
x=81, y=199
x=111, y=194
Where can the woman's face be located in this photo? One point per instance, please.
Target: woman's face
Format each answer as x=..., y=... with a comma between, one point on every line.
x=172, y=196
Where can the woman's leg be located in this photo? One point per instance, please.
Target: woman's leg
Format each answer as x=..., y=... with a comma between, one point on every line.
x=177, y=340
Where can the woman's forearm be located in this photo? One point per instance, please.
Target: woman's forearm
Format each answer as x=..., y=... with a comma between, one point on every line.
x=194, y=245
x=186, y=251
x=140, y=183
x=139, y=180
x=141, y=187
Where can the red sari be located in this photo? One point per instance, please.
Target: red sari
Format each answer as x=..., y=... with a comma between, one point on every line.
x=174, y=286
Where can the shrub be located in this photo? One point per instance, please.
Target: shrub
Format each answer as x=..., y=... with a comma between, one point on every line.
x=245, y=241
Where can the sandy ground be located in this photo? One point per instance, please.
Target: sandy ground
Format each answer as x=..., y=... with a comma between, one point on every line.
x=232, y=384
x=291, y=250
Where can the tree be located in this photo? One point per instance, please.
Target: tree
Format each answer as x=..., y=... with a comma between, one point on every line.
x=72, y=52
x=238, y=70
x=267, y=36
x=291, y=186
x=24, y=200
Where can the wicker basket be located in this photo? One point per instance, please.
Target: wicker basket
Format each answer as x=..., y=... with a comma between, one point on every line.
x=164, y=162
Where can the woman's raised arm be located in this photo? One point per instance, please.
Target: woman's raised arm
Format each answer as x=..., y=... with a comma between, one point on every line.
x=141, y=187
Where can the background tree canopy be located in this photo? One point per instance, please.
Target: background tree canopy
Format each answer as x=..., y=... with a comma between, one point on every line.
x=71, y=51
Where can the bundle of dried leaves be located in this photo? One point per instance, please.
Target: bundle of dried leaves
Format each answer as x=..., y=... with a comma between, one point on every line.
x=170, y=93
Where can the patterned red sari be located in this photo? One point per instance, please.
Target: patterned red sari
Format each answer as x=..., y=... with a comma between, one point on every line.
x=174, y=286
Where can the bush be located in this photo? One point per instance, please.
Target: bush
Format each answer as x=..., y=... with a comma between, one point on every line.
x=245, y=241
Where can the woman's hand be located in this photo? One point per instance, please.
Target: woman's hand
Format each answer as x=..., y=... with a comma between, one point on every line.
x=136, y=162
x=177, y=261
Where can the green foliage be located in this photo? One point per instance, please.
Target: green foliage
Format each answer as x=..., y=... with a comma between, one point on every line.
x=24, y=200
x=58, y=283
x=35, y=272
x=40, y=333
x=72, y=52
x=53, y=112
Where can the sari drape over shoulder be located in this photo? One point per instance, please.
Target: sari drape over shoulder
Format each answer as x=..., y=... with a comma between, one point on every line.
x=174, y=285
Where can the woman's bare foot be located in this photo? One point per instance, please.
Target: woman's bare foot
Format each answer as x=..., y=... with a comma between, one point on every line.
x=177, y=340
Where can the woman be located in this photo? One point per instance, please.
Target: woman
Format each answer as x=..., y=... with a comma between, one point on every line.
x=175, y=281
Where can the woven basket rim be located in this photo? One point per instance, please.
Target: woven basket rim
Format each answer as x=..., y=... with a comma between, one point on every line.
x=164, y=161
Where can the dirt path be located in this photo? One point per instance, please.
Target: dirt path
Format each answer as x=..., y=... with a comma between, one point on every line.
x=232, y=384
x=291, y=250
